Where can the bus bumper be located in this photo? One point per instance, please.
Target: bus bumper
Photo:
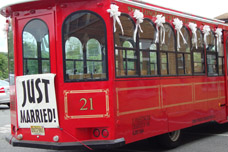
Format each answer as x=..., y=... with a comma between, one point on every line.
x=99, y=144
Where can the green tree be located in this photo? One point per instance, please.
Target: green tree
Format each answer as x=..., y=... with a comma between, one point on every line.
x=10, y=51
x=3, y=66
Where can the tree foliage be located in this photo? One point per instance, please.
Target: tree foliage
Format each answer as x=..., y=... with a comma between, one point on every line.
x=3, y=66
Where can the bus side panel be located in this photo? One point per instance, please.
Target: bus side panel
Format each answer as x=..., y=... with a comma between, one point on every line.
x=216, y=98
x=151, y=107
x=139, y=110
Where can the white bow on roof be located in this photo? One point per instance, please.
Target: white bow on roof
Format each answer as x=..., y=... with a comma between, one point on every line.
x=193, y=28
x=178, y=25
x=159, y=23
x=218, y=34
x=206, y=31
x=139, y=19
x=114, y=12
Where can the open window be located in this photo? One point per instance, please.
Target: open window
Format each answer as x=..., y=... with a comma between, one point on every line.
x=221, y=61
x=148, y=50
x=125, y=49
x=198, y=55
x=168, y=52
x=184, y=58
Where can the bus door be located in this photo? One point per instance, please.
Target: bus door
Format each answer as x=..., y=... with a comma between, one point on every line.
x=35, y=68
x=36, y=49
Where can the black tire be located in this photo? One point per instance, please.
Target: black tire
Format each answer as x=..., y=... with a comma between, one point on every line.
x=8, y=104
x=170, y=140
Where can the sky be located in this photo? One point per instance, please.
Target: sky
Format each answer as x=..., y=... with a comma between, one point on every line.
x=204, y=8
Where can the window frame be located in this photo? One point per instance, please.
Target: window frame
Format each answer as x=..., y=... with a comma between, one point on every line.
x=221, y=57
x=75, y=60
x=149, y=51
x=86, y=60
x=84, y=55
x=202, y=51
x=215, y=53
x=125, y=49
x=183, y=55
x=167, y=52
x=39, y=58
x=11, y=55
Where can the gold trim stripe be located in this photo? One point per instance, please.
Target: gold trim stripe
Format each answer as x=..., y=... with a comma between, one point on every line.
x=107, y=114
x=160, y=94
x=177, y=85
x=178, y=104
x=139, y=110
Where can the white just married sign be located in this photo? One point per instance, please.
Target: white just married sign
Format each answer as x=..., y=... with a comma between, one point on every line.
x=36, y=101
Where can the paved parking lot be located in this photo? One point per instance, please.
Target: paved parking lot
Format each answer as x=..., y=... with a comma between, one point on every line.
x=208, y=137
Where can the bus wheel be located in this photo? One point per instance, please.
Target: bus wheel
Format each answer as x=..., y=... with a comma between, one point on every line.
x=171, y=139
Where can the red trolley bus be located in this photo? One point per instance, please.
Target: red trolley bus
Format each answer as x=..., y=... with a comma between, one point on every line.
x=104, y=73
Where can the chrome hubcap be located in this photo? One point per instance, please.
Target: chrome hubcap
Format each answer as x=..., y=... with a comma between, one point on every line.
x=174, y=136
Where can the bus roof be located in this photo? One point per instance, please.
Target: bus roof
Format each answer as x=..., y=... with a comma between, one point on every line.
x=13, y=2
x=143, y=4
x=6, y=5
x=12, y=5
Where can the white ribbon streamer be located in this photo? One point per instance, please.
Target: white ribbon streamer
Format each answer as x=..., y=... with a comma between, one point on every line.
x=159, y=23
x=206, y=31
x=139, y=19
x=178, y=25
x=114, y=12
x=218, y=34
x=193, y=28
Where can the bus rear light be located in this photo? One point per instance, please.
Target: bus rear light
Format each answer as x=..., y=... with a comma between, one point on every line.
x=2, y=90
x=20, y=137
x=96, y=132
x=56, y=138
x=105, y=133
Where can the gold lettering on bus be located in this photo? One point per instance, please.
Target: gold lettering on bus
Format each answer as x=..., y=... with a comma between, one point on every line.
x=131, y=9
x=151, y=13
x=84, y=107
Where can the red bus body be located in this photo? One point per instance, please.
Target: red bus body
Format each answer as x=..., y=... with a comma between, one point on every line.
x=119, y=110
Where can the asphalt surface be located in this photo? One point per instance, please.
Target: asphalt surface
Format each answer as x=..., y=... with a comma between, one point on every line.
x=209, y=137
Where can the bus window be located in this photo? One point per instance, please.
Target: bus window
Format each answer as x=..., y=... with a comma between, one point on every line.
x=36, y=57
x=84, y=51
x=212, y=66
x=125, y=49
x=198, y=54
x=148, y=49
x=220, y=58
x=74, y=57
x=184, y=54
x=11, y=53
x=167, y=52
x=94, y=57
